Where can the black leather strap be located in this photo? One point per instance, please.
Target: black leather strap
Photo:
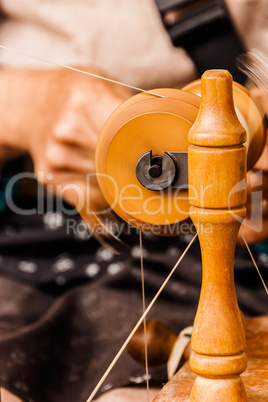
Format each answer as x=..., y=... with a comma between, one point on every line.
x=204, y=29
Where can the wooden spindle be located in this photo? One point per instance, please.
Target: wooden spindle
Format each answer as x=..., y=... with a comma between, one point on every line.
x=217, y=193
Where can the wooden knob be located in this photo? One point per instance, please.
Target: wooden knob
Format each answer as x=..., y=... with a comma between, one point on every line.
x=217, y=108
x=250, y=114
x=160, y=340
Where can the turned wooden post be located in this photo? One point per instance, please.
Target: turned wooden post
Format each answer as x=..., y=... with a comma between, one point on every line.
x=217, y=192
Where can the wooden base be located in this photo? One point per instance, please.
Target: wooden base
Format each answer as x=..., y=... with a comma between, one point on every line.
x=227, y=389
x=255, y=378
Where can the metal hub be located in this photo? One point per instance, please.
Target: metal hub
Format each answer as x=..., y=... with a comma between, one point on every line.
x=158, y=173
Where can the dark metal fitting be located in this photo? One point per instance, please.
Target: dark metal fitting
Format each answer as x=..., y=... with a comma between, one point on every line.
x=158, y=173
x=156, y=166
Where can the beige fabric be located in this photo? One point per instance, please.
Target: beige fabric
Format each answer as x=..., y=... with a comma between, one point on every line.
x=123, y=37
x=251, y=20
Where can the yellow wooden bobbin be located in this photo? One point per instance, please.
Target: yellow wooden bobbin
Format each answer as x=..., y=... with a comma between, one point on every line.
x=160, y=124
x=144, y=123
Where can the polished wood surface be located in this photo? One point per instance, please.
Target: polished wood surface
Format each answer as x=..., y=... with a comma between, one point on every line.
x=217, y=193
x=255, y=377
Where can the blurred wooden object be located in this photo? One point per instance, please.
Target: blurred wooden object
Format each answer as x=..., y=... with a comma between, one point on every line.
x=159, y=339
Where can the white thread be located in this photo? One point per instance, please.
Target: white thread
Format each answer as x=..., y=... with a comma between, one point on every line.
x=144, y=321
x=121, y=350
x=81, y=71
x=254, y=262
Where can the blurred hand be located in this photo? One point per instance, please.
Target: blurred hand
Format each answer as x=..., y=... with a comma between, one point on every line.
x=56, y=116
x=250, y=18
x=71, y=110
x=255, y=226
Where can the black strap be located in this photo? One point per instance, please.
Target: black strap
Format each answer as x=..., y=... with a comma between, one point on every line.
x=204, y=29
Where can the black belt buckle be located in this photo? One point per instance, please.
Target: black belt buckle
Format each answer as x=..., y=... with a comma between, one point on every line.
x=185, y=20
x=205, y=30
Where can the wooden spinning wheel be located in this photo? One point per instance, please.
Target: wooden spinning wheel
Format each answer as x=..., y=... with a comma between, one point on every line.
x=145, y=123
x=142, y=124
x=142, y=170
